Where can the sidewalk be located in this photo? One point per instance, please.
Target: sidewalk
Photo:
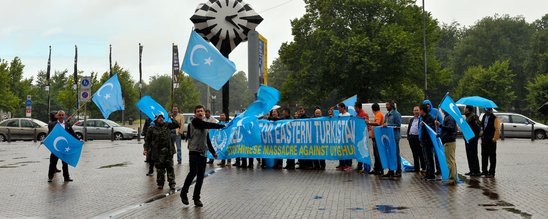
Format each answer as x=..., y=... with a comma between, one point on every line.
x=110, y=181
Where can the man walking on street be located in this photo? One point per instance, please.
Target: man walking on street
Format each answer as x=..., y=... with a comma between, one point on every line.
x=491, y=133
x=472, y=145
x=448, y=138
x=158, y=142
x=198, y=147
x=178, y=132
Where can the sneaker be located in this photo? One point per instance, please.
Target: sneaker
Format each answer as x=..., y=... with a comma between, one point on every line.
x=397, y=174
x=198, y=203
x=150, y=174
x=468, y=174
x=57, y=170
x=184, y=199
x=387, y=176
x=475, y=174
x=178, y=162
x=50, y=180
x=171, y=187
x=68, y=180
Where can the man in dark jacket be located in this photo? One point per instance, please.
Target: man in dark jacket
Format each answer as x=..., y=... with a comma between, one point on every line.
x=148, y=159
x=426, y=142
x=472, y=145
x=198, y=147
x=414, y=141
x=491, y=132
x=158, y=142
x=448, y=138
x=54, y=159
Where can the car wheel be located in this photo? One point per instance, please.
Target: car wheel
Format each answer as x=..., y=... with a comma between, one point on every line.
x=539, y=134
x=41, y=136
x=118, y=136
x=79, y=135
x=2, y=138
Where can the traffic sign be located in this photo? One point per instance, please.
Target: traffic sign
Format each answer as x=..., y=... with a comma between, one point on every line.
x=85, y=95
x=28, y=103
x=86, y=82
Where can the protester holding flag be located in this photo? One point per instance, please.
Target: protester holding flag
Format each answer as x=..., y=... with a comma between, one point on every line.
x=344, y=165
x=178, y=132
x=448, y=138
x=393, y=119
x=273, y=116
x=472, y=145
x=318, y=164
x=414, y=141
x=360, y=113
x=377, y=121
x=436, y=115
x=198, y=148
x=426, y=142
x=148, y=156
x=53, y=159
x=158, y=142
x=223, y=119
x=491, y=134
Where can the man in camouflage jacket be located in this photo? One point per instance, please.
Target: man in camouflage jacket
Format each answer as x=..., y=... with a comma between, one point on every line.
x=158, y=142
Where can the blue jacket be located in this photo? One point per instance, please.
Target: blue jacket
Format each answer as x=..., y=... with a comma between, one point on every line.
x=434, y=113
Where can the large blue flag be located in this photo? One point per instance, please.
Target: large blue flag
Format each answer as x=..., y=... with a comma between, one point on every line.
x=386, y=145
x=350, y=104
x=205, y=63
x=65, y=146
x=267, y=97
x=108, y=97
x=151, y=108
x=449, y=106
x=440, y=152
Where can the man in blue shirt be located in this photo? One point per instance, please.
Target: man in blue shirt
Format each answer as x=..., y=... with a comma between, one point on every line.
x=393, y=119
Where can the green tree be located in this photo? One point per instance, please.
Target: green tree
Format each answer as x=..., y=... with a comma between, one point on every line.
x=9, y=101
x=186, y=97
x=497, y=38
x=129, y=94
x=537, y=92
x=494, y=83
x=538, y=59
x=240, y=95
x=342, y=48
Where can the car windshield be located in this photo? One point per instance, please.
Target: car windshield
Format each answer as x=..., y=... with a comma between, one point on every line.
x=111, y=123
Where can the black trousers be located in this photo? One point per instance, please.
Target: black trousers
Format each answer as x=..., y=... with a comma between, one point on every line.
x=472, y=155
x=427, y=150
x=377, y=166
x=488, y=155
x=197, y=169
x=53, y=167
x=290, y=163
x=416, y=149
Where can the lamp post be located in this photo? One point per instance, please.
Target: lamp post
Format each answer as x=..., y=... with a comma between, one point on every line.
x=213, y=97
x=424, y=51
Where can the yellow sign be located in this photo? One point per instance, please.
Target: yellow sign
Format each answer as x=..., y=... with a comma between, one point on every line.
x=263, y=60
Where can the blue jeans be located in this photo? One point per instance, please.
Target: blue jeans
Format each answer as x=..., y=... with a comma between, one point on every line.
x=176, y=139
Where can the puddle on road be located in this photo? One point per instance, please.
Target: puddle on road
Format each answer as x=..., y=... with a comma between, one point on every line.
x=499, y=203
x=389, y=208
x=124, y=164
x=322, y=209
x=490, y=194
x=317, y=197
x=355, y=209
x=1, y=161
x=491, y=209
x=517, y=211
x=17, y=158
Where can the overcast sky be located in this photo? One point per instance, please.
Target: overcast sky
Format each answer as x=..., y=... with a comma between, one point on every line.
x=29, y=27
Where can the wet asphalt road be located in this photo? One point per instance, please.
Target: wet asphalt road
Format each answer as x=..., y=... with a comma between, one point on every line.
x=110, y=181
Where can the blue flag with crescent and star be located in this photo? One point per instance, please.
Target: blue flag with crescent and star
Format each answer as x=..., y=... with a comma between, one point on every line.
x=449, y=106
x=151, y=108
x=386, y=146
x=108, y=97
x=350, y=104
x=440, y=152
x=205, y=63
x=63, y=145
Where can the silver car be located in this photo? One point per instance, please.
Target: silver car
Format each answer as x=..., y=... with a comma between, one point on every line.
x=517, y=125
x=23, y=129
x=103, y=129
x=404, y=125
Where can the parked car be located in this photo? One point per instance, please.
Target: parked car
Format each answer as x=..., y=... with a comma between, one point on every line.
x=517, y=125
x=23, y=129
x=404, y=123
x=102, y=129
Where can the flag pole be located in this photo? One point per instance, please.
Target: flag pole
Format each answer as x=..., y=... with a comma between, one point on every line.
x=48, y=83
x=140, y=83
x=110, y=60
x=75, y=77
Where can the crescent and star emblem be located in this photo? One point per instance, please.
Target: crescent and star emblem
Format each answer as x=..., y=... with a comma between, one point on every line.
x=101, y=88
x=207, y=61
x=60, y=138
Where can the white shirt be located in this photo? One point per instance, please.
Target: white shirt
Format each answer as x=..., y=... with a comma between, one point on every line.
x=344, y=114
